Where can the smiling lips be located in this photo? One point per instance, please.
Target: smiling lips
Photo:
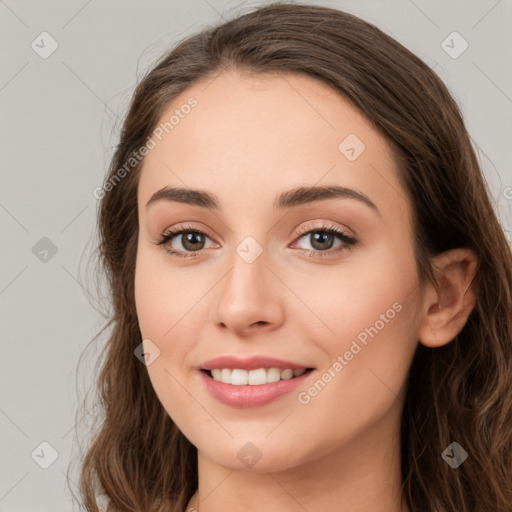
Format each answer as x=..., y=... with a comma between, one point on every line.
x=251, y=382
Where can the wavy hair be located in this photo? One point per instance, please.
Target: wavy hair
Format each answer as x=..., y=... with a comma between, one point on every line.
x=137, y=458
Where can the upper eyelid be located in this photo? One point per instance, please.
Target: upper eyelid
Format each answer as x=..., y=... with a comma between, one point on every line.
x=304, y=228
x=175, y=232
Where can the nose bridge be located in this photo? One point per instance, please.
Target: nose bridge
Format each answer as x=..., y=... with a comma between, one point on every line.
x=247, y=279
x=246, y=296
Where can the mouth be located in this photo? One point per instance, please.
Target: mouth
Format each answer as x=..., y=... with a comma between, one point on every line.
x=252, y=381
x=254, y=388
x=255, y=377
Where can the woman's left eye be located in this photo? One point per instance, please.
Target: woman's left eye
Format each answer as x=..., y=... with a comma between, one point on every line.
x=320, y=238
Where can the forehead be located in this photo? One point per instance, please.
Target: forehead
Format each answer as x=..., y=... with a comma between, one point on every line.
x=256, y=135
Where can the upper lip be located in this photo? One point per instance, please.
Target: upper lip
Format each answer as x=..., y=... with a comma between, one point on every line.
x=251, y=363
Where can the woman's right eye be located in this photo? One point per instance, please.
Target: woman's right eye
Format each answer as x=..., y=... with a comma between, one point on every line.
x=191, y=240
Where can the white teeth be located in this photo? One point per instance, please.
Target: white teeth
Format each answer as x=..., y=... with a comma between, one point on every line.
x=286, y=374
x=239, y=377
x=273, y=374
x=257, y=377
x=225, y=375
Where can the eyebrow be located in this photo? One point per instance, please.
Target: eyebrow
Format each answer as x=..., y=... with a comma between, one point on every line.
x=289, y=199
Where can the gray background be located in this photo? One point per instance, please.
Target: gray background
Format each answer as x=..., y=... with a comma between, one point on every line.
x=59, y=121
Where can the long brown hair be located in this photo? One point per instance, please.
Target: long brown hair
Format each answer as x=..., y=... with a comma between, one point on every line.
x=137, y=457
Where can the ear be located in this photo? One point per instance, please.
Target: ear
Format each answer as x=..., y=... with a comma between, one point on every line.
x=446, y=310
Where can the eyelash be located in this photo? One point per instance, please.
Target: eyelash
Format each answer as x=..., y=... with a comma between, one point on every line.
x=349, y=241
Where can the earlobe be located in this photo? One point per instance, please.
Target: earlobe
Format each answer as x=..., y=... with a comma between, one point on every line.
x=448, y=308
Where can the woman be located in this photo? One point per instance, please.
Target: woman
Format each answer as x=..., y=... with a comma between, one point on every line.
x=311, y=290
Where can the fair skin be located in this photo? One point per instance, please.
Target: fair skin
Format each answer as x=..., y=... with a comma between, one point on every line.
x=249, y=139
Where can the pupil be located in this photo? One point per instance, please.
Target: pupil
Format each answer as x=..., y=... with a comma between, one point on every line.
x=190, y=238
x=323, y=238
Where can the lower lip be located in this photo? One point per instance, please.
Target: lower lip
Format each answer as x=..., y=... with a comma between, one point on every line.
x=251, y=396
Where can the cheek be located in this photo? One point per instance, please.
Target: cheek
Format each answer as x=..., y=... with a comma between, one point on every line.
x=371, y=310
x=160, y=299
x=162, y=316
x=348, y=299
x=367, y=365
x=149, y=299
x=168, y=302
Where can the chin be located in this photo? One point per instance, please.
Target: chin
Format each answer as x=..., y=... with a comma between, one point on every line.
x=258, y=456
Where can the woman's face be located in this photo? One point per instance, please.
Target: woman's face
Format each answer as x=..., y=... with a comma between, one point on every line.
x=260, y=274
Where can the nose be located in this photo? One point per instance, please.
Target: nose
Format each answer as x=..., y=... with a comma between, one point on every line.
x=249, y=299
